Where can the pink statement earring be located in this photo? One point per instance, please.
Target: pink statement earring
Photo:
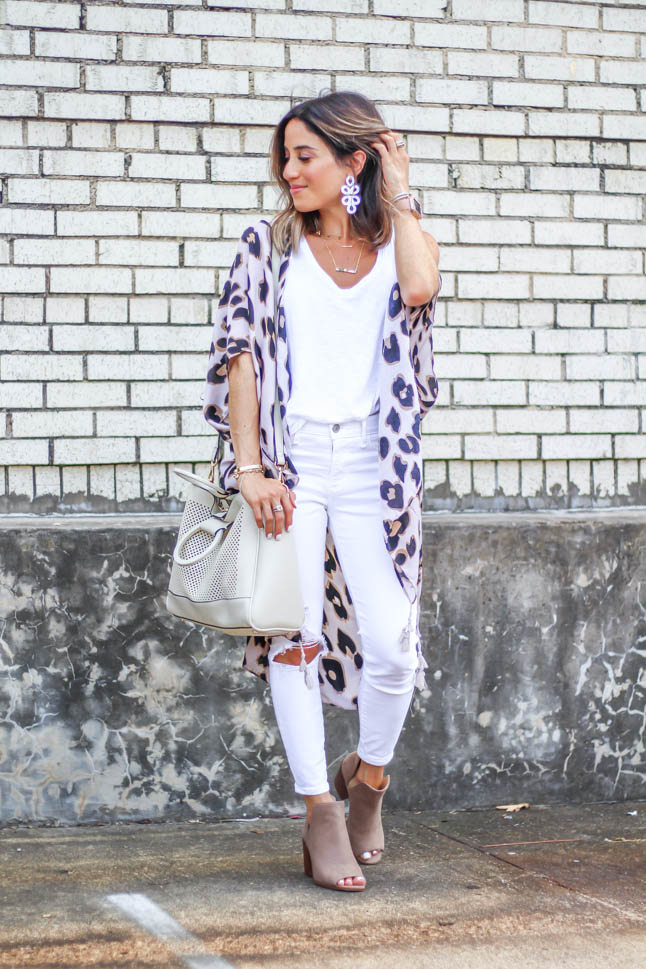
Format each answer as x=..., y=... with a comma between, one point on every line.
x=350, y=195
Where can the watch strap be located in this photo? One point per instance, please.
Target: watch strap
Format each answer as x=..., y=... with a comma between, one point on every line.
x=413, y=203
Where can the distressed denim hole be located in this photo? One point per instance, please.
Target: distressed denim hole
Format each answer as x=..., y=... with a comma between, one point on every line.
x=292, y=656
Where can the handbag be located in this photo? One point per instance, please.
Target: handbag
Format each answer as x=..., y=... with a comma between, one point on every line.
x=226, y=573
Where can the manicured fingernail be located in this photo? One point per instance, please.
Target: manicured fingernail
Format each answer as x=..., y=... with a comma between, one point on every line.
x=278, y=537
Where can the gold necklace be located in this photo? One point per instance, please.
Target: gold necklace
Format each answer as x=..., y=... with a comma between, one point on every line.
x=343, y=269
x=318, y=232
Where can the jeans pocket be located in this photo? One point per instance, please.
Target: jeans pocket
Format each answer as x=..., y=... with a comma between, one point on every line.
x=293, y=430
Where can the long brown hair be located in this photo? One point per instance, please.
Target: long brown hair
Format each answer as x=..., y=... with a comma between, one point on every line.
x=347, y=122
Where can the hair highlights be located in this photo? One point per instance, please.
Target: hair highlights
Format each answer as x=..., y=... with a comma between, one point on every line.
x=347, y=122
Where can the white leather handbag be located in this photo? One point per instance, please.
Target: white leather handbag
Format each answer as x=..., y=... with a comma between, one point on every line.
x=226, y=573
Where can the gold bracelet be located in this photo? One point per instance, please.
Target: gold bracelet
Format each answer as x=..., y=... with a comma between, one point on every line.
x=252, y=468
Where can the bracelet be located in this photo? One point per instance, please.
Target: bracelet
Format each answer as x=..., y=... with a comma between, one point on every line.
x=253, y=468
x=413, y=205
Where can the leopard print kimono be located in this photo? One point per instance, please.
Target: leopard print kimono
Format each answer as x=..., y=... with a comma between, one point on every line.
x=245, y=321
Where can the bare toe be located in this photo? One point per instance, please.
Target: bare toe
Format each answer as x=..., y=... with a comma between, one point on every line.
x=351, y=880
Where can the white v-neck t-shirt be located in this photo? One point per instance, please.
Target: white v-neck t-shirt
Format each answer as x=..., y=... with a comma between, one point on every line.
x=334, y=337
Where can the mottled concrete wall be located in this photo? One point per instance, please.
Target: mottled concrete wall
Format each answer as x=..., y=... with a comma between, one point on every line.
x=111, y=709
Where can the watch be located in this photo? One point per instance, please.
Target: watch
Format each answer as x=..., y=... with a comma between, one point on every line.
x=413, y=204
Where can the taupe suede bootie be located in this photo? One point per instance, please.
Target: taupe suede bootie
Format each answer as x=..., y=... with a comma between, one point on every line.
x=327, y=855
x=364, y=820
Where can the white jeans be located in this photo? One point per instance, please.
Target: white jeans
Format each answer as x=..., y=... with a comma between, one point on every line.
x=338, y=467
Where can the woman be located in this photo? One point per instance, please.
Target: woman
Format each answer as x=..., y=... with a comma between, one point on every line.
x=350, y=350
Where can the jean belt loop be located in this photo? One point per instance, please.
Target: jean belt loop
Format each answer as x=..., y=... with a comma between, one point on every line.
x=364, y=431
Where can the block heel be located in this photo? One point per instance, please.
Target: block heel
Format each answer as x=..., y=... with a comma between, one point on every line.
x=340, y=785
x=307, y=861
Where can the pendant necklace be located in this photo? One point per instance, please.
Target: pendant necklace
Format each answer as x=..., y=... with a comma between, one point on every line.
x=344, y=269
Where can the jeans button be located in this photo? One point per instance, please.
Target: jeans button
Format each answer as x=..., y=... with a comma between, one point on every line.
x=336, y=427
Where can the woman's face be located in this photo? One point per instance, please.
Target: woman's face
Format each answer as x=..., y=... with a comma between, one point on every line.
x=315, y=176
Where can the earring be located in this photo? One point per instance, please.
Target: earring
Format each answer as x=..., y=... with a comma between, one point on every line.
x=351, y=195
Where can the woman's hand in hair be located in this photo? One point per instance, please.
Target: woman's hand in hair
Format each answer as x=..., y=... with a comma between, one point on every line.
x=416, y=251
x=394, y=163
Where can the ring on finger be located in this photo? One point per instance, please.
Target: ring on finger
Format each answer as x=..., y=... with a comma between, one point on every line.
x=401, y=143
x=277, y=508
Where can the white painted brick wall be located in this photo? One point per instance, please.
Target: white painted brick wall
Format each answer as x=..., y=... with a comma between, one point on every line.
x=133, y=144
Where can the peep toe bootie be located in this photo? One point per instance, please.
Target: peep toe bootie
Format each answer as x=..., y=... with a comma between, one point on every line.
x=364, y=819
x=327, y=855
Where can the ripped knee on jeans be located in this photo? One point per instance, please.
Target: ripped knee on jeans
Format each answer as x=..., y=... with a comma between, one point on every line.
x=293, y=655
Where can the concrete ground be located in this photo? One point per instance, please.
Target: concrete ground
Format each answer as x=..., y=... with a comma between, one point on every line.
x=545, y=887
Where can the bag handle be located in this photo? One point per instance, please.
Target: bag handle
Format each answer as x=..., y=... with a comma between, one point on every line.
x=278, y=422
x=213, y=527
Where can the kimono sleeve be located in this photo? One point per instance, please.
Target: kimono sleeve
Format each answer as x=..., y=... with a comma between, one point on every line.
x=422, y=317
x=233, y=333
x=420, y=322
